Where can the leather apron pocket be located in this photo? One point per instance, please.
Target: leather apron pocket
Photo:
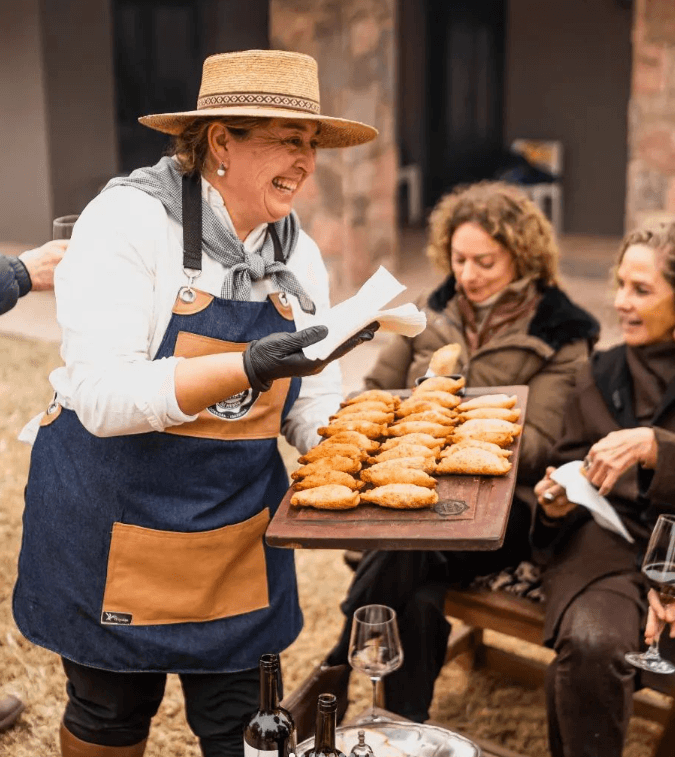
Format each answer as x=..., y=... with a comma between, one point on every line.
x=159, y=577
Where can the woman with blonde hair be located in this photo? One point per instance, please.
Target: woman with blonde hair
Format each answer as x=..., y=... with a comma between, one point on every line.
x=501, y=304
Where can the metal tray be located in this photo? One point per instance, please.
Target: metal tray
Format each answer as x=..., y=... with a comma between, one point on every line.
x=396, y=739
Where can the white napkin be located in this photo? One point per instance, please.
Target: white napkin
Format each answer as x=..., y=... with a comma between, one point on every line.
x=580, y=490
x=349, y=317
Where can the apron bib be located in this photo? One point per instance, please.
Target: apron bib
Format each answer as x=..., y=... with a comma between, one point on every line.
x=146, y=552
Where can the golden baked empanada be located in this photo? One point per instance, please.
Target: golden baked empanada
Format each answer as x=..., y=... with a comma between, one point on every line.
x=328, y=497
x=472, y=461
x=328, y=477
x=489, y=424
x=330, y=450
x=426, y=440
x=337, y=462
x=488, y=400
x=427, y=464
x=377, y=395
x=359, y=407
x=373, y=416
x=444, y=399
x=504, y=413
x=352, y=437
x=397, y=475
x=371, y=430
x=444, y=361
x=403, y=450
x=402, y=496
x=418, y=427
x=432, y=416
x=468, y=442
x=414, y=405
x=440, y=384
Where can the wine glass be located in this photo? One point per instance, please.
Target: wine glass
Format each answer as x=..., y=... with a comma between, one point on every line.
x=659, y=568
x=62, y=228
x=375, y=647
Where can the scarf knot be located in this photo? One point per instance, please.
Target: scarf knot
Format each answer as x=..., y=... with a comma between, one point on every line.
x=163, y=181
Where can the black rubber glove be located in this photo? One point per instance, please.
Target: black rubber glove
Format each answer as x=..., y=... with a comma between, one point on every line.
x=280, y=355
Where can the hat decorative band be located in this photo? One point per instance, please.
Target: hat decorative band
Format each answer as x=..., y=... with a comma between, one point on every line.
x=268, y=99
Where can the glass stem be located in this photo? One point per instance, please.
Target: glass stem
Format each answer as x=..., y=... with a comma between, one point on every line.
x=374, y=682
x=653, y=652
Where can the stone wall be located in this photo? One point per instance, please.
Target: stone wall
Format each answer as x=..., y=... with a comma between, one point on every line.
x=348, y=207
x=651, y=137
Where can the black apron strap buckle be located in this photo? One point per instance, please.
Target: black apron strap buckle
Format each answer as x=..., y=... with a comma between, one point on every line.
x=192, y=233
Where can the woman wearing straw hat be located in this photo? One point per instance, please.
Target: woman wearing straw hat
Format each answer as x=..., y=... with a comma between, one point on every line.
x=182, y=301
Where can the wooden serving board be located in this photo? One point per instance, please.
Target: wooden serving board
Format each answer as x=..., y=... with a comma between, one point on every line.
x=471, y=513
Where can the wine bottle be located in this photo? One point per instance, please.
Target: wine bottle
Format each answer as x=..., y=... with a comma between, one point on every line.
x=271, y=731
x=326, y=717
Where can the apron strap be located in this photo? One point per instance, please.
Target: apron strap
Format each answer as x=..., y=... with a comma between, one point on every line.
x=278, y=251
x=192, y=221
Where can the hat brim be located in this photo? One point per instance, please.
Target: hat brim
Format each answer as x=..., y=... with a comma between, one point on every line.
x=335, y=132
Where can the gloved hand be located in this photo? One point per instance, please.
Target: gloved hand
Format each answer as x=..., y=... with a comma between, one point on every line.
x=280, y=355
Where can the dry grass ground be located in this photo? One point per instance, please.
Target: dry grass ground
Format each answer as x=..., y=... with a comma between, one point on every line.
x=475, y=703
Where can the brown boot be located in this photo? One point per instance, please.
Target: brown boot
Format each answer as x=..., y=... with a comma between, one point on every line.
x=71, y=746
x=10, y=709
x=324, y=679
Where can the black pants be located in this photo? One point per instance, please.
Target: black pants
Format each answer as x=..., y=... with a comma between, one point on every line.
x=115, y=709
x=414, y=585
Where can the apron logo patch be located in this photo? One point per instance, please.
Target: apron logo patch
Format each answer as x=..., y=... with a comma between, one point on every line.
x=236, y=406
x=116, y=618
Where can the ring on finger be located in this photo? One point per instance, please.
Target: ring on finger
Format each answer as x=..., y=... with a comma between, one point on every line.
x=548, y=497
x=587, y=462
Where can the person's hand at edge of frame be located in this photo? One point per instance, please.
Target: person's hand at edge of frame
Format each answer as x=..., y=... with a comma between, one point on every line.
x=41, y=262
x=659, y=616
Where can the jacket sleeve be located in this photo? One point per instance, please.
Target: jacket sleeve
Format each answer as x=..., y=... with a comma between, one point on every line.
x=391, y=369
x=14, y=282
x=550, y=389
x=661, y=481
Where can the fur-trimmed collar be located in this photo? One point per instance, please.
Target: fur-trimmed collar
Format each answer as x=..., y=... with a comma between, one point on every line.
x=556, y=321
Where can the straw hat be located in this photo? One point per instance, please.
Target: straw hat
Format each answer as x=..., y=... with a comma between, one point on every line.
x=264, y=83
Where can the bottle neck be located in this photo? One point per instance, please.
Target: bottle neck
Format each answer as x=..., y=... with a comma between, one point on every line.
x=269, y=687
x=325, y=730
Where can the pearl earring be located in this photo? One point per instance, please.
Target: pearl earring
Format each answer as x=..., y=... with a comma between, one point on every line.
x=221, y=170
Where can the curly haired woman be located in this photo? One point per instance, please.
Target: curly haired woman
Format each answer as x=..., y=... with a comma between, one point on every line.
x=501, y=303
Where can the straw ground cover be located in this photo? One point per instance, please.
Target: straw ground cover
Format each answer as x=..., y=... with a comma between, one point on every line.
x=474, y=703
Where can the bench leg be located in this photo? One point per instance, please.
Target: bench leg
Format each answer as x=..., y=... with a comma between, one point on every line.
x=465, y=640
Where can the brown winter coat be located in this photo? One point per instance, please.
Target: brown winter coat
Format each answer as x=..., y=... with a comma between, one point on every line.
x=543, y=349
x=578, y=552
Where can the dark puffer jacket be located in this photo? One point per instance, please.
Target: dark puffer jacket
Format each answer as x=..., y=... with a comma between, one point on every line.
x=14, y=282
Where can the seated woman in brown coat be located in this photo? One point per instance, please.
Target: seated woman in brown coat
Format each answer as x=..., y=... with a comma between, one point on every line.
x=500, y=302
x=621, y=419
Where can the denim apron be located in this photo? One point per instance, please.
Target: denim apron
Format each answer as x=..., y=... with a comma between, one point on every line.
x=146, y=552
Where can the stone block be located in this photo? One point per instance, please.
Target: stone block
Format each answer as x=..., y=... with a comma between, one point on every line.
x=646, y=188
x=649, y=70
x=656, y=147
x=659, y=21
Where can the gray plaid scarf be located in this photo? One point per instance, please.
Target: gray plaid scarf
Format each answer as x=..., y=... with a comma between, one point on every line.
x=164, y=182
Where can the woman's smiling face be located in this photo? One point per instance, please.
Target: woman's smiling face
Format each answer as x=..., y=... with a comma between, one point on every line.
x=644, y=300
x=265, y=171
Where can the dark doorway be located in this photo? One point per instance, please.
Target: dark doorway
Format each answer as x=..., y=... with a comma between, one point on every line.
x=159, y=48
x=465, y=86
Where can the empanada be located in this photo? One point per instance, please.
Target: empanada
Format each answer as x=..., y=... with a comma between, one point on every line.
x=378, y=395
x=471, y=461
x=359, y=407
x=414, y=405
x=373, y=416
x=330, y=450
x=371, y=430
x=328, y=477
x=403, y=450
x=444, y=399
x=418, y=427
x=397, y=475
x=352, y=437
x=337, y=462
x=402, y=496
x=489, y=424
x=488, y=400
x=328, y=497
x=444, y=361
x=427, y=464
x=504, y=413
x=441, y=384
x=477, y=443
x=426, y=440
x=432, y=416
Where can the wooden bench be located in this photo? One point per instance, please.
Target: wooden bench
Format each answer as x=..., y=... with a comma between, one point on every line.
x=481, y=609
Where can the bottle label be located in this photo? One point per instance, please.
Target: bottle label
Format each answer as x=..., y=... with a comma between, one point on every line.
x=251, y=751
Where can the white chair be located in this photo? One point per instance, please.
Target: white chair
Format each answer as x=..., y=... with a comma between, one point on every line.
x=547, y=155
x=411, y=176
